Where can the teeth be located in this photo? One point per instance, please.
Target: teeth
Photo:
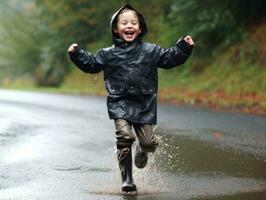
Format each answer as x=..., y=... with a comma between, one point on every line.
x=130, y=33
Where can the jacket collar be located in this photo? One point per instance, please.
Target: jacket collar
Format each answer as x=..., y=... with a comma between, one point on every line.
x=121, y=43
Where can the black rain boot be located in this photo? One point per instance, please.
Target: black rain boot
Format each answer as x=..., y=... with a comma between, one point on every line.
x=141, y=157
x=125, y=165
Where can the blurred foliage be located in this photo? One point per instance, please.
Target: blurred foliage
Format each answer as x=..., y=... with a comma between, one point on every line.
x=19, y=43
x=214, y=24
x=35, y=34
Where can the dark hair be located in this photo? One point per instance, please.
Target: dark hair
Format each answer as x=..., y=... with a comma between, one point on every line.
x=114, y=24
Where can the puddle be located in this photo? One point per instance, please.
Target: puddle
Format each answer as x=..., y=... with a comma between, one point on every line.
x=183, y=154
x=186, y=168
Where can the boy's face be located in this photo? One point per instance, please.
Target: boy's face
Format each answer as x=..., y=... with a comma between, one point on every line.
x=128, y=26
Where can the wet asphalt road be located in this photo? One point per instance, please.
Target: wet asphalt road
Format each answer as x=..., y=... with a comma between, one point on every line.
x=63, y=147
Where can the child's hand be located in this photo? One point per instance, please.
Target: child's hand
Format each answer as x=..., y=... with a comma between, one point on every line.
x=189, y=40
x=72, y=48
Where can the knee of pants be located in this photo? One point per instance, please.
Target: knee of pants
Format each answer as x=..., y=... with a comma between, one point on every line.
x=124, y=139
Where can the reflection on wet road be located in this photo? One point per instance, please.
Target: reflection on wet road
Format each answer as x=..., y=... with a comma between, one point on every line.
x=56, y=147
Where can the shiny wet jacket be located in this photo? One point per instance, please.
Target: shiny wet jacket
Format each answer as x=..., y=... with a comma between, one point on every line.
x=131, y=72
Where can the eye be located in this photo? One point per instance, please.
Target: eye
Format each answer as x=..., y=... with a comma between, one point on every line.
x=134, y=22
x=124, y=22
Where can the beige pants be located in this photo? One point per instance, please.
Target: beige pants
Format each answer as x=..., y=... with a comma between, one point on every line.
x=144, y=132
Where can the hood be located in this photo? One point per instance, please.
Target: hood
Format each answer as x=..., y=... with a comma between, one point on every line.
x=142, y=23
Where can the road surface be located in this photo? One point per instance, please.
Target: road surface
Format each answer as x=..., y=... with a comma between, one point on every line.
x=55, y=146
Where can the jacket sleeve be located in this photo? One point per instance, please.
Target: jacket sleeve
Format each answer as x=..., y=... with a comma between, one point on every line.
x=88, y=62
x=171, y=57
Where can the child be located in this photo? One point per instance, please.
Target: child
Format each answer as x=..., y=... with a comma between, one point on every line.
x=131, y=79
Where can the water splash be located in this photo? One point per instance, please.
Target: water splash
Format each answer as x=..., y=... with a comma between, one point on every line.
x=155, y=177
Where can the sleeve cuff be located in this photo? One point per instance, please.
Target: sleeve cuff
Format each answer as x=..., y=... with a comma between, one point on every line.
x=184, y=46
x=76, y=53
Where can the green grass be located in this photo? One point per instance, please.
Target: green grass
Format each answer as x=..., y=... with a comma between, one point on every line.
x=222, y=84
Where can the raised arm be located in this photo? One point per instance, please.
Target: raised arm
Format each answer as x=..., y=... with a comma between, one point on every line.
x=86, y=61
x=171, y=57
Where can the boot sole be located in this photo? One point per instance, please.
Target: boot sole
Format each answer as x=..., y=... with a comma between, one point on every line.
x=132, y=193
x=126, y=189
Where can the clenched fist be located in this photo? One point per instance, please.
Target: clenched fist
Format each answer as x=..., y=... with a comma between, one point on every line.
x=189, y=40
x=72, y=48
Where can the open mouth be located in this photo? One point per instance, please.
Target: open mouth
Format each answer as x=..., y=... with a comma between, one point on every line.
x=129, y=33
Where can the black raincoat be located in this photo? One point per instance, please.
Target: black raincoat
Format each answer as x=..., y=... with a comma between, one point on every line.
x=130, y=72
